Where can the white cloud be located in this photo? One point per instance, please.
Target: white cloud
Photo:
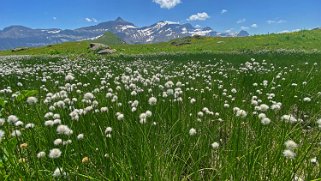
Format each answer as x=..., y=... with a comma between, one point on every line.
x=229, y=30
x=168, y=4
x=254, y=25
x=54, y=18
x=244, y=28
x=172, y=22
x=89, y=20
x=224, y=11
x=276, y=21
x=198, y=17
x=288, y=31
x=285, y=31
x=241, y=21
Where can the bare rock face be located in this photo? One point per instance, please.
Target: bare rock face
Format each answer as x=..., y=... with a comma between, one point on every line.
x=101, y=49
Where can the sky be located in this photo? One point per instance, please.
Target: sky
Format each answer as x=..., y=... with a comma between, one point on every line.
x=254, y=16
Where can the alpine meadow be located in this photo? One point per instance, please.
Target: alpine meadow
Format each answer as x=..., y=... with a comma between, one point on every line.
x=205, y=95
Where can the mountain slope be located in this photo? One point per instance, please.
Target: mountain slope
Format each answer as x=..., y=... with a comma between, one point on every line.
x=307, y=40
x=109, y=38
x=19, y=36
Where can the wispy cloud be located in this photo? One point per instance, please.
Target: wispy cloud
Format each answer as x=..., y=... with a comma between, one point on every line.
x=54, y=18
x=254, y=25
x=168, y=4
x=288, y=31
x=199, y=17
x=244, y=28
x=89, y=20
x=276, y=21
x=229, y=30
x=243, y=20
x=224, y=11
x=285, y=31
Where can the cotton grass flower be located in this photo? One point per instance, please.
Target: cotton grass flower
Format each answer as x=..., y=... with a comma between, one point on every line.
x=80, y=136
x=236, y=109
x=2, y=121
x=215, y=145
x=108, y=130
x=32, y=100
x=64, y=129
x=59, y=172
x=58, y=142
x=30, y=125
x=54, y=153
x=18, y=123
x=104, y=109
x=152, y=101
x=290, y=144
x=200, y=114
x=261, y=116
x=48, y=115
x=264, y=107
x=289, y=154
x=234, y=91
x=2, y=134
x=241, y=113
x=314, y=160
x=89, y=96
x=16, y=133
x=276, y=106
x=142, y=118
x=307, y=99
x=319, y=122
x=66, y=142
x=12, y=119
x=49, y=123
x=57, y=121
x=69, y=78
x=41, y=154
x=265, y=121
x=149, y=113
x=120, y=116
x=192, y=132
x=289, y=119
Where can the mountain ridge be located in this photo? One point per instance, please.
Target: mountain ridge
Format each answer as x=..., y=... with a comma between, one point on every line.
x=162, y=31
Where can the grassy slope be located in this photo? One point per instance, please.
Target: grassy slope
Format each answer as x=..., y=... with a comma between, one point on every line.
x=110, y=39
x=304, y=40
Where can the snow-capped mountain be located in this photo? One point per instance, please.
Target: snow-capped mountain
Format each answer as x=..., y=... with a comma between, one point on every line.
x=20, y=36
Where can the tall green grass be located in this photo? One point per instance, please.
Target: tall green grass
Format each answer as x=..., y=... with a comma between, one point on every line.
x=163, y=149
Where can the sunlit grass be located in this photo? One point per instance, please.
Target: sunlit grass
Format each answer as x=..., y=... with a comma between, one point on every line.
x=307, y=40
x=161, y=117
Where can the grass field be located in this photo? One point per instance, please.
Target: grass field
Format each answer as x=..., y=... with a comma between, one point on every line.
x=308, y=40
x=182, y=116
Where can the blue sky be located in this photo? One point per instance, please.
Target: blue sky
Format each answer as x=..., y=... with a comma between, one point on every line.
x=255, y=16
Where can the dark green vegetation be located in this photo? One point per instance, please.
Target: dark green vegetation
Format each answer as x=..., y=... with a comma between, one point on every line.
x=308, y=40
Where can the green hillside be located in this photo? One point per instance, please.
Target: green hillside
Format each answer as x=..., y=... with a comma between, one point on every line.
x=110, y=39
x=307, y=40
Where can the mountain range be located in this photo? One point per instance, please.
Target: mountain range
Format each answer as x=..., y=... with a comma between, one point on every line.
x=20, y=36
